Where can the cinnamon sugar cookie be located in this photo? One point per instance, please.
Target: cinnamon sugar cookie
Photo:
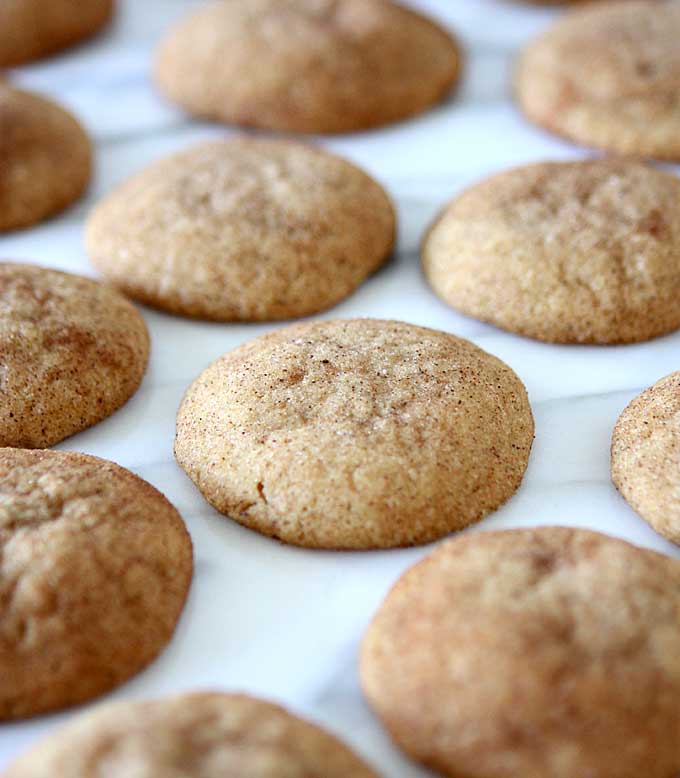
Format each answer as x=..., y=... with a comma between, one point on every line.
x=577, y=252
x=322, y=65
x=31, y=29
x=72, y=351
x=45, y=158
x=95, y=566
x=608, y=75
x=646, y=456
x=200, y=735
x=541, y=652
x=354, y=434
x=244, y=229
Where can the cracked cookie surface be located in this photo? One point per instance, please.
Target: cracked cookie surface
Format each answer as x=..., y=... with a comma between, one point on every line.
x=72, y=351
x=541, y=652
x=577, y=252
x=608, y=75
x=95, y=566
x=46, y=158
x=645, y=456
x=31, y=29
x=202, y=735
x=355, y=434
x=246, y=229
x=322, y=65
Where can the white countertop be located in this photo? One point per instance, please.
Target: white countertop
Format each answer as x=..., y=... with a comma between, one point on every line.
x=286, y=623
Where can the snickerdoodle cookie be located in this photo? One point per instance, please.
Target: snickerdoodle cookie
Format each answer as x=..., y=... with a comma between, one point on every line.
x=244, y=229
x=307, y=65
x=95, y=566
x=542, y=652
x=72, y=351
x=355, y=434
x=31, y=29
x=577, y=252
x=202, y=735
x=608, y=75
x=646, y=456
x=45, y=158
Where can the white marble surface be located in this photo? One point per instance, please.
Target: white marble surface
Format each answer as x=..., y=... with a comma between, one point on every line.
x=282, y=622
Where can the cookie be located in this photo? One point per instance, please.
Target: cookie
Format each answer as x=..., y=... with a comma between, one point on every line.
x=323, y=66
x=355, y=434
x=608, y=75
x=95, y=565
x=72, y=351
x=246, y=229
x=200, y=734
x=46, y=158
x=541, y=652
x=32, y=29
x=646, y=456
x=577, y=252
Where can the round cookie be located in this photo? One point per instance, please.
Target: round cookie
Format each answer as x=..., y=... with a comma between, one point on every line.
x=46, y=158
x=204, y=735
x=578, y=252
x=542, y=652
x=608, y=75
x=323, y=66
x=355, y=434
x=72, y=351
x=646, y=456
x=246, y=229
x=95, y=566
x=31, y=29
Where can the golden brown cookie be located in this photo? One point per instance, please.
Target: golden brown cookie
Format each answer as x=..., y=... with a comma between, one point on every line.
x=45, y=158
x=31, y=29
x=322, y=65
x=203, y=735
x=95, y=566
x=578, y=252
x=355, y=434
x=608, y=75
x=72, y=351
x=543, y=652
x=646, y=456
x=244, y=230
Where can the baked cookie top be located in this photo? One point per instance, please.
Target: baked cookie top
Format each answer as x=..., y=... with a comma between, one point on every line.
x=322, y=65
x=72, y=351
x=646, y=455
x=570, y=252
x=244, y=229
x=542, y=652
x=46, y=157
x=608, y=75
x=31, y=29
x=202, y=734
x=95, y=565
x=355, y=434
